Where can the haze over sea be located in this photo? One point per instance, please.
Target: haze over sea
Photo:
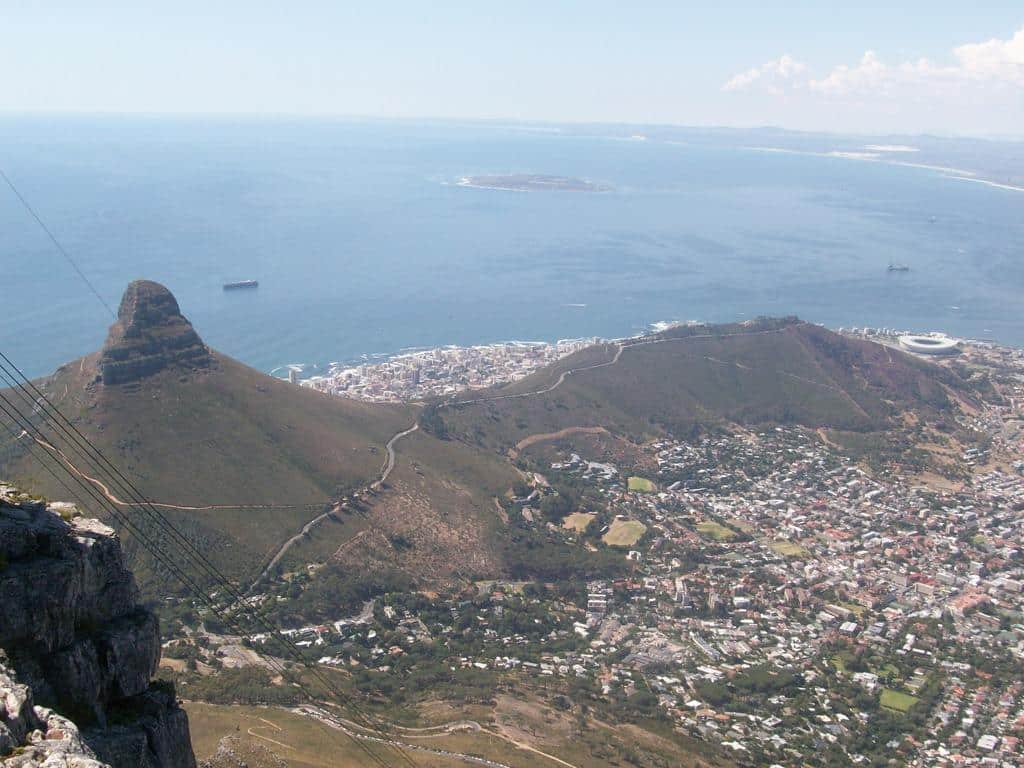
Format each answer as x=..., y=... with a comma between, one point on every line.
x=362, y=243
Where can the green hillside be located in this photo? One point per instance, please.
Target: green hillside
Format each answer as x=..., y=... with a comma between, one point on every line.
x=257, y=456
x=692, y=378
x=227, y=436
x=241, y=462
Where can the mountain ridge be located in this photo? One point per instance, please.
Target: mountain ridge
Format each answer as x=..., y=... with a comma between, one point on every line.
x=694, y=378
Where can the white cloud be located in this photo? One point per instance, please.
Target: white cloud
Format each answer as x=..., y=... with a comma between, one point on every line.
x=873, y=77
x=771, y=74
x=997, y=59
x=993, y=63
x=869, y=73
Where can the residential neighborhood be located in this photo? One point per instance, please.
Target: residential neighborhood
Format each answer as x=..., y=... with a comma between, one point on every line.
x=442, y=371
x=777, y=596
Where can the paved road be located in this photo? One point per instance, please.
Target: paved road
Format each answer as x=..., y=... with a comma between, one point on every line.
x=292, y=541
x=389, y=465
x=389, y=462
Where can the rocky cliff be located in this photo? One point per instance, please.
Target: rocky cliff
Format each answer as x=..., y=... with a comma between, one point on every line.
x=75, y=641
x=150, y=335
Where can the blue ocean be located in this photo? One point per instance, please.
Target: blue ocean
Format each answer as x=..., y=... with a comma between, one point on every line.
x=364, y=244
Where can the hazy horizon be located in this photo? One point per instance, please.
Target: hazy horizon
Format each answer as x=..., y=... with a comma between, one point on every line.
x=930, y=68
x=255, y=117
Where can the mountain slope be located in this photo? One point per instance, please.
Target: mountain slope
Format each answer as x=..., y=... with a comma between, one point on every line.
x=239, y=461
x=249, y=466
x=693, y=378
x=228, y=434
x=194, y=427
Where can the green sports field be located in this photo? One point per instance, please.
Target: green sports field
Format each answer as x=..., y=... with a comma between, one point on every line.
x=641, y=484
x=624, y=533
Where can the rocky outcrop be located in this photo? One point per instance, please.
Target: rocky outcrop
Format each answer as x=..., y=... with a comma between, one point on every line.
x=75, y=641
x=32, y=736
x=150, y=335
x=233, y=752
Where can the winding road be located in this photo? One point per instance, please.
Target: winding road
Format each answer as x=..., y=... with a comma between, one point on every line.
x=377, y=737
x=293, y=540
x=552, y=388
x=391, y=458
x=360, y=732
x=389, y=462
x=385, y=472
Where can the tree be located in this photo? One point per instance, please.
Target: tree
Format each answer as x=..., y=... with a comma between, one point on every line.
x=556, y=506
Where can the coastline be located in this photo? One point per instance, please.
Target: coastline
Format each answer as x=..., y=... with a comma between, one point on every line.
x=412, y=376
x=883, y=158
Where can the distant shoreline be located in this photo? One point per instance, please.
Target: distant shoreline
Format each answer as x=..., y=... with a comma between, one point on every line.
x=381, y=359
x=881, y=155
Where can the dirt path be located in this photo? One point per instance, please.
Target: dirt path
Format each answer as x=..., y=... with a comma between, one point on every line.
x=445, y=728
x=526, y=442
x=528, y=748
x=378, y=737
x=552, y=388
x=621, y=347
x=268, y=724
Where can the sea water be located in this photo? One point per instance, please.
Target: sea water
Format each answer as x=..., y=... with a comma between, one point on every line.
x=363, y=243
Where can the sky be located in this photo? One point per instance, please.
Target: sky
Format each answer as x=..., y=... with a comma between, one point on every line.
x=949, y=68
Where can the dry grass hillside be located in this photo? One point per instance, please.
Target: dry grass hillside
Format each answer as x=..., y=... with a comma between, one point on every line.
x=240, y=460
x=695, y=378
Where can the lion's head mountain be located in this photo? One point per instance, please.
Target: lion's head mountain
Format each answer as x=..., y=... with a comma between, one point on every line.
x=150, y=335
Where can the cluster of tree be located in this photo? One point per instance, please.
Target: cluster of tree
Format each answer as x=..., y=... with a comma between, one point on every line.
x=756, y=683
x=249, y=685
x=531, y=554
x=429, y=678
x=433, y=423
x=556, y=506
x=183, y=651
x=334, y=593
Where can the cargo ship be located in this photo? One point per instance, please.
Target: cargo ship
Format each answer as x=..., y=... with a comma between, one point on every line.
x=241, y=284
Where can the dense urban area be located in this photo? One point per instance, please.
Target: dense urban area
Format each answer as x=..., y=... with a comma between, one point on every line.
x=761, y=590
x=443, y=371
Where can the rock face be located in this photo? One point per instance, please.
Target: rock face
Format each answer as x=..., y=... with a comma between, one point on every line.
x=232, y=752
x=74, y=639
x=40, y=736
x=149, y=336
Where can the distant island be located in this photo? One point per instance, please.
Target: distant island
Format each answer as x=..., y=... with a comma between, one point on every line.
x=532, y=182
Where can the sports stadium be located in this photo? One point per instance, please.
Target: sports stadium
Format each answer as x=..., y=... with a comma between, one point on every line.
x=930, y=344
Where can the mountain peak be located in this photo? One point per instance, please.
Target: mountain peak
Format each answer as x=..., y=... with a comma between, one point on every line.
x=150, y=335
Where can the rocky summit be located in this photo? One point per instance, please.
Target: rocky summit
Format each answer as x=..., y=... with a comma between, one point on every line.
x=77, y=650
x=150, y=335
